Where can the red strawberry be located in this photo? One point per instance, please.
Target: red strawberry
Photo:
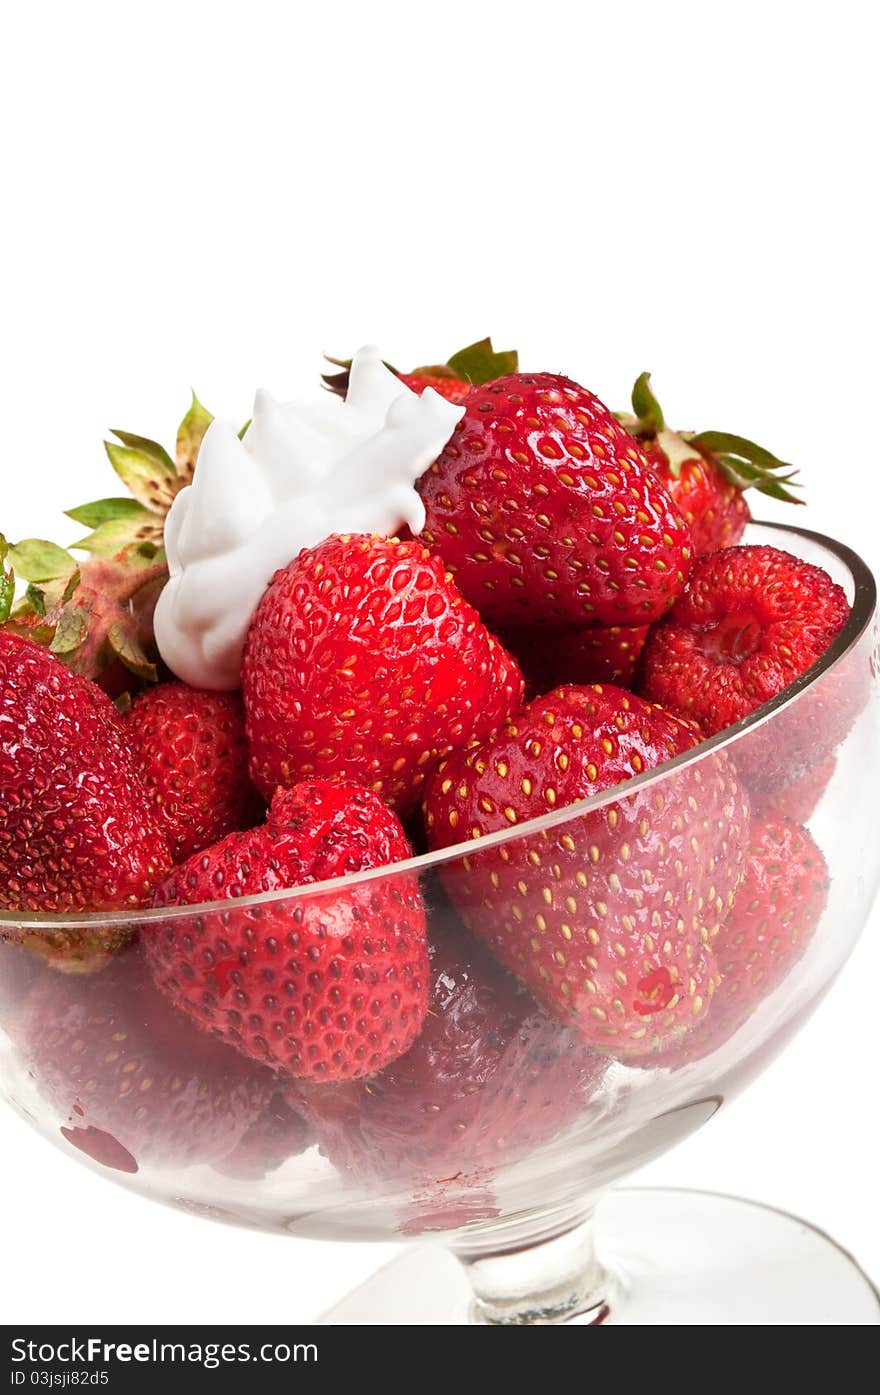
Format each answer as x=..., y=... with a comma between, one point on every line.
x=777, y=909
x=751, y=621
x=277, y=1134
x=551, y=657
x=705, y=472
x=77, y=832
x=491, y=1077
x=364, y=663
x=190, y=750
x=608, y=917
x=453, y=389
x=544, y=508
x=329, y=986
x=131, y=1080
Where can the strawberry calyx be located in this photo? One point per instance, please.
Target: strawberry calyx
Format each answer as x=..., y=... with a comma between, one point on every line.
x=89, y=615
x=153, y=480
x=97, y=615
x=476, y=364
x=744, y=463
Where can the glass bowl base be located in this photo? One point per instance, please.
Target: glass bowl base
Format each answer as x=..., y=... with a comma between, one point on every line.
x=668, y=1258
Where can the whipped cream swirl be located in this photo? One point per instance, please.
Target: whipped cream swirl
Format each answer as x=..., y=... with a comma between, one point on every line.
x=300, y=472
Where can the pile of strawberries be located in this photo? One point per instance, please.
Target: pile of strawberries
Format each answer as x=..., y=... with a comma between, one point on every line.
x=577, y=611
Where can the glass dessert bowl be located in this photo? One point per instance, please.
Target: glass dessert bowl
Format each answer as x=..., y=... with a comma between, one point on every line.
x=501, y=1130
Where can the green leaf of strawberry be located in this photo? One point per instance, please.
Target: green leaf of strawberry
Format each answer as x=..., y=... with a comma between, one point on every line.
x=7, y=582
x=117, y=523
x=480, y=363
x=106, y=511
x=150, y=478
x=646, y=407
x=39, y=561
x=190, y=434
x=148, y=447
x=748, y=465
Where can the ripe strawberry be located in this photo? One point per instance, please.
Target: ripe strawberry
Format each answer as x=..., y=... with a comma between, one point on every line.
x=544, y=509
x=364, y=663
x=549, y=658
x=77, y=832
x=492, y=1077
x=607, y=917
x=329, y=986
x=777, y=909
x=478, y=363
x=191, y=753
x=705, y=472
x=277, y=1134
x=131, y=1080
x=751, y=621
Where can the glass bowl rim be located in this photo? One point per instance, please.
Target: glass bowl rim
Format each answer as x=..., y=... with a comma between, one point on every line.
x=863, y=607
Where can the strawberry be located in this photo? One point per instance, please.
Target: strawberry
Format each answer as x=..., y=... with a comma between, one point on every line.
x=752, y=620
x=777, y=909
x=705, y=472
x=364, y=663
x=544, y=509
x=328, y=986
x=607, y=917
x=778, y=906
x=77, y=832
x=491, y=1077
x=277, y=1134
x=191, y=752
x=97, y=615
x=549, y=658
x=133, y=1082
x=470, y=367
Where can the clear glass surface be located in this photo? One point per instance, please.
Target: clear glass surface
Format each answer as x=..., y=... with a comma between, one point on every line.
x=519, y=1153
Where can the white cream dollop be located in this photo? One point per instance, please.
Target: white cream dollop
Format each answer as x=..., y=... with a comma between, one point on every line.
x=301, y=472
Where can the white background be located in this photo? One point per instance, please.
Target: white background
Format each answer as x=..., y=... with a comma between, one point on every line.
x=212, y=194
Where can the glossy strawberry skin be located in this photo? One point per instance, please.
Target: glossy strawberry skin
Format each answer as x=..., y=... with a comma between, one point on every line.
x=491, y=1077
x=329, y=986
x=364, y=663
x=544, y=509
x=713, y=507
x=752, y=621
x=190, y=751
x=608, y=918
x=121, y=1067
x=453, y=389
x=77, y=832
x=549, y=658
